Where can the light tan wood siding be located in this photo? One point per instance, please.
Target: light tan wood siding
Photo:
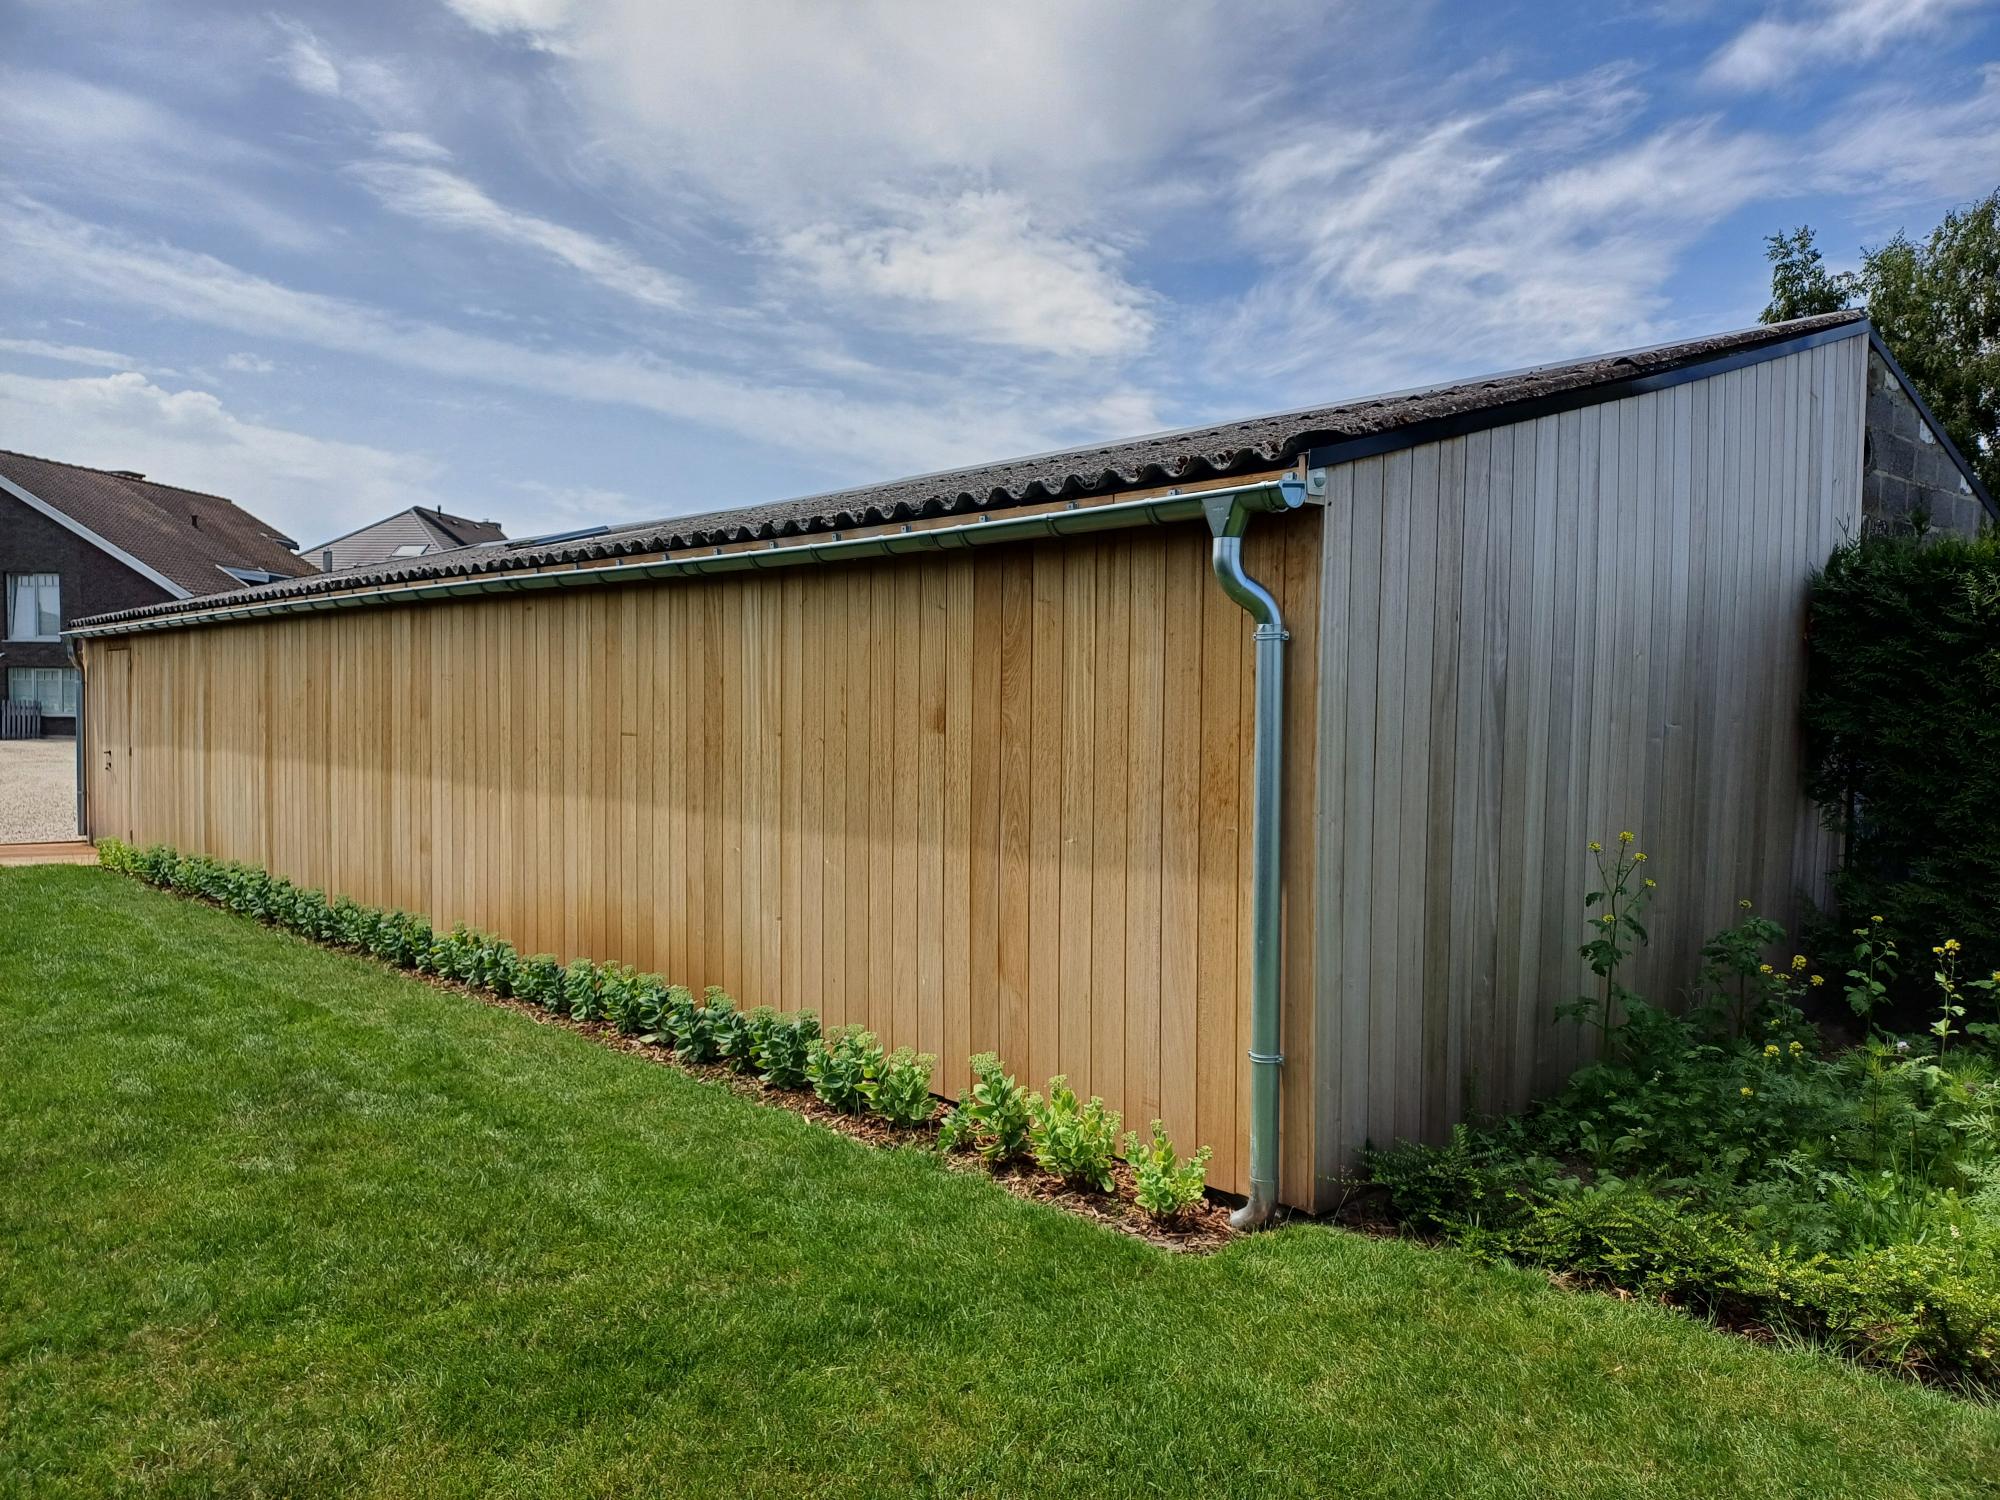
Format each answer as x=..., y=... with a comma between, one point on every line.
x=1537, y=635
x=996, y=798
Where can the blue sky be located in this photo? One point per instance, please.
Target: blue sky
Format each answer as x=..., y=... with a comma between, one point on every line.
x=561, y=262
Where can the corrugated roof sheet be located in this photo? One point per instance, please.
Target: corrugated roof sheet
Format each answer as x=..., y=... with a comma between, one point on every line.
x=181, y=534
x=1227, y=449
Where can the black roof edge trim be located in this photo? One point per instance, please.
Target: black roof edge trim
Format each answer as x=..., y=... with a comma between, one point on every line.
x=1916, y=396
x=1458, y=424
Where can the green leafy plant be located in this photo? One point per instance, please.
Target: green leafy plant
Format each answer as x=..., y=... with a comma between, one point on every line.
x=843, y=1066
x=1165, y=1185
x=1739, y=986
x=1076, y=1141
x=581, y=991
x=733, y=1031
x=689, y=1025
x=538, y=980
x=901, y=1093
x=1624, y=891
x=1951, y=1006
x=631, y=1001
x=993, y=1117
x=783, y=1047
x=1874, y=969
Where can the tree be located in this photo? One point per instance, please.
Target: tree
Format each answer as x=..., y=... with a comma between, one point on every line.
x=1936, y=303
x=1801, y=285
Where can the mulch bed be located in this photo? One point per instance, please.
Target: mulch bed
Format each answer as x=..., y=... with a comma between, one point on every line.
x=1204, y=1230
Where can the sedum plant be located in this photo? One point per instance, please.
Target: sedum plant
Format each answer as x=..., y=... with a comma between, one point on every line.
x=538, y=979
x=902, y=1094
x=1166, y=1187
x=735, y=1030
x=580, y=991
x=1076, y=1141
x=689, y=1025
x=843, y=1067
x=782, y=1049
x=993, y=1116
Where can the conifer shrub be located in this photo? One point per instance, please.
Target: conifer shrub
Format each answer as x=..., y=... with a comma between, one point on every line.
x=1902, y=721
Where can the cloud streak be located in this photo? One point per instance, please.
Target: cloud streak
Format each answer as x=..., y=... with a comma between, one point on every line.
x=1779, y=46
x=445, y=200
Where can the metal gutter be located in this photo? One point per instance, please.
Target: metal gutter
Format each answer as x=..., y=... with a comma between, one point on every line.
x=1263, y=494
x=1229, y=518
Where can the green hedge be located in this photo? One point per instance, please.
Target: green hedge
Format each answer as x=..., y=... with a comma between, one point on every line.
x=845, y=1068
x=1902, y=720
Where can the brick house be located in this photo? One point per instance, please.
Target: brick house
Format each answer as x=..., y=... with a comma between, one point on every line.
x=76, y=541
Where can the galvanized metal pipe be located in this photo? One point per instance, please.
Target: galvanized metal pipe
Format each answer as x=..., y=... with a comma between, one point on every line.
x=1229, y=521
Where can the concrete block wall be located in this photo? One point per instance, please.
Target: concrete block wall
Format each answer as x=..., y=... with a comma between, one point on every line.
x=1906, y=470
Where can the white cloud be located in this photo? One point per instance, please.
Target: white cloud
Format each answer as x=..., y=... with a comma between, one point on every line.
x=65, y=136
x=308, y=64
x=1890, y=146
x=412, y=145
x=535, y=19
x=979, y=267
x=377, y=88
x=303, y=485
x=1781, y=44
x=249, y=364
x=50, y=249
x=1493, y=238
x=445, y=199
x=802, y=101
x=70, y=354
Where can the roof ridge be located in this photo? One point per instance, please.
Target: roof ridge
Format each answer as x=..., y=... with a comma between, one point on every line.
x=125, y=476
x=1188, y=455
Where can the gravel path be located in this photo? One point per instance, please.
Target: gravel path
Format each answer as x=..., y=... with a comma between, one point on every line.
x=37, y=791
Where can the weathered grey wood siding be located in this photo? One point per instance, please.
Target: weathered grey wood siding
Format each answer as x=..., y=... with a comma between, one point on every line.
x=1538, y=635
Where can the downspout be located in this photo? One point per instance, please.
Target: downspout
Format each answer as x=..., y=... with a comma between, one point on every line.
x=82, y=802
x=1228, y=519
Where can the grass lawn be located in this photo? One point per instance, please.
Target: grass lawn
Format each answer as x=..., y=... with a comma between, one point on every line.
x=278, y=1221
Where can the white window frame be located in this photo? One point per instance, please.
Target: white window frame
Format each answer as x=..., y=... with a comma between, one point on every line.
x=54, y=689
x=50, y=582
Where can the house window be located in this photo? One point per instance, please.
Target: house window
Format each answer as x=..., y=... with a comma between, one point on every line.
x=54, y=688
x=34, y=607
x=411, y=549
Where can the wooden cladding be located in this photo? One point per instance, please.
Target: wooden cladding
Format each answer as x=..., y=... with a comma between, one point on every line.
x=1539, y=635
x=990, y=799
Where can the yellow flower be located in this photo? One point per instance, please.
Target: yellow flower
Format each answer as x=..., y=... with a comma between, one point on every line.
x=1817, y=980
x=1771, y=1049
x=1627, y=837
x=1763, y=968
x=1938, y=951
x=1595, y=847
x=1746, y=1092
x=1744, y=904
x=1607, y=919
x=1951, y=945
x=1797, y=1048
x=1798, y=961
x=1650, y=884
x=1876, y=920
x=1639, y=858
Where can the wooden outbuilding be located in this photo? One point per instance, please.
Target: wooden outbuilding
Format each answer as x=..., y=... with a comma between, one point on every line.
x=969, y=757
